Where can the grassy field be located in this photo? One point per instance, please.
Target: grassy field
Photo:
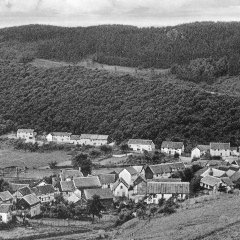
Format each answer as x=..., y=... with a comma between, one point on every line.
x=207, y=220
x=11, y=157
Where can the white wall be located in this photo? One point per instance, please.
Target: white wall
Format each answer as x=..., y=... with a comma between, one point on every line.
x=196, y=153
x=126, y=176
x=171, y=151
x=141, y=148
x=223, y=153
x=121, y=191
x=6, y=217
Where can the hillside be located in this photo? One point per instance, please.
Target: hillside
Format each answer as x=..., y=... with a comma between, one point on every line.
x=123, y=45
x=82, y=100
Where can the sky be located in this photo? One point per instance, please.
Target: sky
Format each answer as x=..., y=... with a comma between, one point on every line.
x=140, y=13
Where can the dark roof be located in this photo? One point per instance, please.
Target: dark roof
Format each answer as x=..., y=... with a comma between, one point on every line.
x=31, y=199
x=210, y=180
x=94, y=136
x=215, y=145
x=5, y=196
x=87, y=182
x=67, y=186
x=166, y=167
x=25, y=191
x=16, y=186
x=203, y=147
x=165, y=180
x=61, y=134
x=75, y=137
x=103, y=193
x=227, y=181
x=43, y=190
x=172, y=145
x=235, y=177
x=168, y=187
x=140, y=141
x=5, y=208
x=106, y=178
x=139, y=179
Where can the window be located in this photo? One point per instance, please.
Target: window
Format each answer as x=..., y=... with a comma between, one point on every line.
x=121, y=187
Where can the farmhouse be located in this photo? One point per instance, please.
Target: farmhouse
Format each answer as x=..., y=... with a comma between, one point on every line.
x=82, y=183
x=21, y=192
x=214, y=172
x=31, y=203
x=120, y=188
x=164, y=170
x=210, y=183
x=26, y=134
x=6, y=197
x=166, y=190
x=171, y=148
x=5, y=213
x=140, y=145
x=59, y=137
x=220, y=149
x=69, y=192
x=93, y=139
x=106, y=196
x=199, y=151
x=45, y=193
x=107, y=180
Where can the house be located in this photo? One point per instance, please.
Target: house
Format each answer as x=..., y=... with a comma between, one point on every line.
x=166, y=190
x=69, y=192
x=164, y=170
x=234, y=151
x=107, y=180
x=171, y=148
x=5, y=213
x=26, y=134
x=75, y=139
x=120, y=188
x=126, y=176
x=220, y=149
x=199, y=151
x=236, y=177
x=140, y=186
x=69, y=174
x=210, y=183
x=6, y=197
x=139, y=145
x=91, y=182
x=31, y=203
x=232, y=170
x=45, y=193
x=228, y=183
x=214, y=172
x=21, y=192
x=93, y=139
x=106, y=196
x=59, y=137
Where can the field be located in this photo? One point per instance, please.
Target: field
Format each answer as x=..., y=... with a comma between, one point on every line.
x=206, y=220
x=11, y=157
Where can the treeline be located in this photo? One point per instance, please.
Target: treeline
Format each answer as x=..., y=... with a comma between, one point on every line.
x=79, y=100
x=125, y=45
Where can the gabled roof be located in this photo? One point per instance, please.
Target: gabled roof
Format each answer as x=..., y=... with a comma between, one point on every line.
x=120, y=180
x=106, y=178
x=139, y=179
x=166, y=167
x=213, y=172
x=75, y=137
x=94, y=136
x=211, y=181
x=31, y=199
x=140, y=141
x=25, y=191
x=61, y=134
x=25, y=130
x=67, y=186
x=70, y=174
x=203, y=148
x=5, y=196
x=227, y=181
x=221, y=146
x=168, y=187
x=230, y=172
x=172, y=145
x=131, y=170
x=103, y=193
x=87, y=182
x=235, y=177
x=5, y=208
x=35, y=183
x=44, y=190
x=233, y=148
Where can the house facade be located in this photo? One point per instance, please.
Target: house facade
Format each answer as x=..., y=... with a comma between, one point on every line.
x=139, y=145
x=120, y=188
x=93, y=139
x=45, y=193
x=126, y=176
x=26, y=134
x=59, y=137
x=220, y=149
x=172, y=148
x=6, y=197
x=107, y=180
x=5, y=213
x=199, y=151
x=30, y=203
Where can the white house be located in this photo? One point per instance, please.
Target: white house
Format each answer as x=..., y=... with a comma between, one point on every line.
x=166, y=190
x=199, y=151
x=120, y=188
x=59, y=137
x=75, y=139
x=171, y=148
x=26, y=134
x=210, y=183
x=126, y=176
x=5, y=213
x=93, y=139
x=220, y=149
x=140, y=145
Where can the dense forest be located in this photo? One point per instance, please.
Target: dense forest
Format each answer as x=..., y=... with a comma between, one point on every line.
x=125, y=45
x=81, y=100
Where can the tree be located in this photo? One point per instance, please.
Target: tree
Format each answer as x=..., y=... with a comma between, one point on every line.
x=106, y=149
x=124, y=147
x=195, y=184
x=52, y=164
x=82, y=161
x=94, y=207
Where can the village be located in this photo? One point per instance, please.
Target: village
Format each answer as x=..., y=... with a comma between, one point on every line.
x=68, y=191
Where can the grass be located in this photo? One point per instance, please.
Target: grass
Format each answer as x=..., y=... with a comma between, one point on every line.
x=201, y=221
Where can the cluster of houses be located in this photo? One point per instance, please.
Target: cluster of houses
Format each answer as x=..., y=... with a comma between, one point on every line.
x=134, y=182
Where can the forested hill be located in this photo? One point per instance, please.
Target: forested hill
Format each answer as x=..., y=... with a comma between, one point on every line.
x=124, y=45
x=81, y=100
